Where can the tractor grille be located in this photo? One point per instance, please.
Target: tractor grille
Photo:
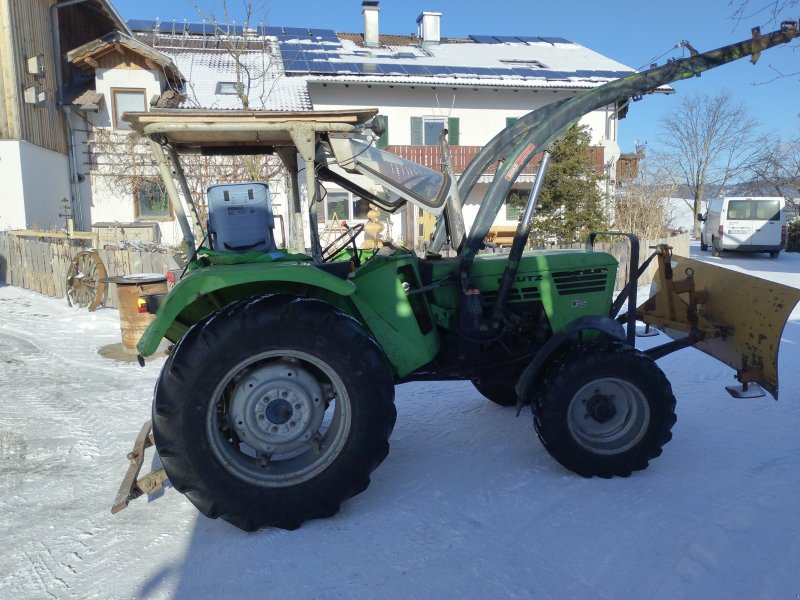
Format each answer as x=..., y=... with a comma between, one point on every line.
x=580, y=282
x=525, y=294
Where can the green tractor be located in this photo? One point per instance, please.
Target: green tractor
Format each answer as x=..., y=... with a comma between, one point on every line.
x=276, y=401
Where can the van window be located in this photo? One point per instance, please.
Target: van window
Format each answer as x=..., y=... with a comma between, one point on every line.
x=768, y=210
x=759, y=210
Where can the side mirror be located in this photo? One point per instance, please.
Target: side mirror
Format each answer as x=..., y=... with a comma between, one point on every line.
x=700, y=217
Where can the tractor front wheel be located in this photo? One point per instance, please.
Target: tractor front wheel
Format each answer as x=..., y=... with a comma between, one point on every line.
x=604, y=409
x=273, y=411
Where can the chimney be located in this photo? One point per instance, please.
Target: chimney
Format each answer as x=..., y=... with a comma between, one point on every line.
x=370, y=10
x=428, y=27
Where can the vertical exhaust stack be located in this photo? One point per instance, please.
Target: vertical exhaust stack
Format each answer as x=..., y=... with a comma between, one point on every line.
x=428, y=27
x=370, y=10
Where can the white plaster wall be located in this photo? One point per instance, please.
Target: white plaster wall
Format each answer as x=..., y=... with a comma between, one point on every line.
x=45, y=180
x=106, y=79
x=482, y=112
x=35, y=180
x=12, y=196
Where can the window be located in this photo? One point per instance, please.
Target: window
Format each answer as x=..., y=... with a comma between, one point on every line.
x=123, y=101
x=343, y=206
x=749, y=210
x=531, y=64
x=151, y=202
x=515, y=204
x=431, y=130
x=425, y=130
x=229, y=88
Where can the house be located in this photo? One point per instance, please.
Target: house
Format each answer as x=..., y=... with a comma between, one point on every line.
x=41, y=180
x=424, y=83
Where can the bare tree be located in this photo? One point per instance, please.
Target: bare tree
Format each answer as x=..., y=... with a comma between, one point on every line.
x=644, y=205
x=713, y=139
x=252, y=55
x=776, y=170
x=773, y=10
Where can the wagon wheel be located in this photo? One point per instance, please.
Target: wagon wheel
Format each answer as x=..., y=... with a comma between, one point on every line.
x=85, y=285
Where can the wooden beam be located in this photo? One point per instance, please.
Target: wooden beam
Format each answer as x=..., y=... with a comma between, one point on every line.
x=91, y=62
x=151, y=64
x=77, y=235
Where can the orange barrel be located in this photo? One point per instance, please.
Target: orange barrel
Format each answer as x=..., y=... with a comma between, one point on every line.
x=132, y=323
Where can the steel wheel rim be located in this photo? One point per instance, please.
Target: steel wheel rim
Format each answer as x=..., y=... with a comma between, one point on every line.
x=273, y=429
x=608, y=416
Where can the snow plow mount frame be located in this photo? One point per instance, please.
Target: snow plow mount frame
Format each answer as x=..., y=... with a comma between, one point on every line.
x=132, y=487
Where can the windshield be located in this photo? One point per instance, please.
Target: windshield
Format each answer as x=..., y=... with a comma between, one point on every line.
x=407, y=178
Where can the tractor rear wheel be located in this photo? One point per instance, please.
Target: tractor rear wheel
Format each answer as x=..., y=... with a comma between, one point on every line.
x=604, y=409
x=273, y=411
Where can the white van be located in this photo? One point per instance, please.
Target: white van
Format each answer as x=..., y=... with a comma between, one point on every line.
x=744, y=224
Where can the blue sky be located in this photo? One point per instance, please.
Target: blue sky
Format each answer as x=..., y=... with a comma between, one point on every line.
x=630, y=31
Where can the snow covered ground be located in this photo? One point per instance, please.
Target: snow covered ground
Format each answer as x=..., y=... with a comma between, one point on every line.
x=467, y=505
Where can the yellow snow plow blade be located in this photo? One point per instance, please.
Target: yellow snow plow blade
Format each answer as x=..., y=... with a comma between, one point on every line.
x=736, y=318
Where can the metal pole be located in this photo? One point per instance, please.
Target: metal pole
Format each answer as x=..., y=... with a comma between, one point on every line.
x=172, y=193
x=520, y=239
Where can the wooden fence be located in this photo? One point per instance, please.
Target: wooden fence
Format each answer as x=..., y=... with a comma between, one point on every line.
x=42, y=266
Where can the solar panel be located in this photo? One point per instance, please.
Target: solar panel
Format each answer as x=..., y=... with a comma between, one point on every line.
x=554, y=74
x=141, y=25
x=264, y=30
x=200, y=28
x=527, y=72
x=462, y=71
x=323, y=33
x=346, y=67
x=417, y=70
x=391, y=69
x=507, y=39
x=169, y=27
x=296, y=66
x=483, y=39
x=321, y=66
x=296, y=31
x=555, y=40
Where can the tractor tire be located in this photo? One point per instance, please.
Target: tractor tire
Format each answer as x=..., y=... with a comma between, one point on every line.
x=604, y=409
x=715, y=251
x=499, y=393
x=703, y=245
x=273, y=411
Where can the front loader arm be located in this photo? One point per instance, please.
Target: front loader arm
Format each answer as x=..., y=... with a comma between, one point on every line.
x=533, y=133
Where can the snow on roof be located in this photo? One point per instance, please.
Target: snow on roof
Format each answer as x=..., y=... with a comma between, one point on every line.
x=211, y=80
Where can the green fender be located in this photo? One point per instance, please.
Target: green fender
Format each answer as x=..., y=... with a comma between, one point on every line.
x=207, y=289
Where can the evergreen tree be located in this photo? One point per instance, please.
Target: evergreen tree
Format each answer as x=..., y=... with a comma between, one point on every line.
x=570, y=203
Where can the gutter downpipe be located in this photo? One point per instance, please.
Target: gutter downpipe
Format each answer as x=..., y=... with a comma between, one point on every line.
x=74, y=184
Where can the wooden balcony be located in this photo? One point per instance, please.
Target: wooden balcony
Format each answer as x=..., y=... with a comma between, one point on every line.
x=430, y=156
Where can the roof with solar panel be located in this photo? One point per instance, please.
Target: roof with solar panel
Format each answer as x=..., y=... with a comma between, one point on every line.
x=303, y=54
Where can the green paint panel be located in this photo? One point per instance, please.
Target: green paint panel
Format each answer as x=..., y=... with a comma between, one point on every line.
x=207, y=289
x=401, y=323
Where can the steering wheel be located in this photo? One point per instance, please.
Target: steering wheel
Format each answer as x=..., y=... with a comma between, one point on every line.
x=340, y=243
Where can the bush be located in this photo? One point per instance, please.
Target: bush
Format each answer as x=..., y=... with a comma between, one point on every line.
x=793, y=237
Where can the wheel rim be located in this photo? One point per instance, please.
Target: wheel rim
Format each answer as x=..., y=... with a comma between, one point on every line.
x=608, y=416
x=279, y=418
x=85, y=285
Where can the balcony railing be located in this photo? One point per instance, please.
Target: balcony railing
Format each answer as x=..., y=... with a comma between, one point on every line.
x=430, y=156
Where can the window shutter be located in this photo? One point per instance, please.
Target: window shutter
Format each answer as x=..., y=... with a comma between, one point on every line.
x=383, y=141
x=510, y=121
x=452, y=131
x=416, y=131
